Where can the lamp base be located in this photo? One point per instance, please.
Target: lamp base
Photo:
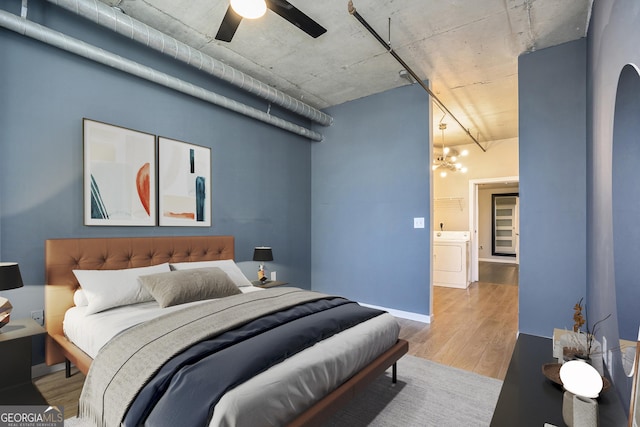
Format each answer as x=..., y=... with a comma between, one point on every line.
x=262, y=273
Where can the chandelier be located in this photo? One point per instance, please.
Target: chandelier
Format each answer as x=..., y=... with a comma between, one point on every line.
x=447, y=159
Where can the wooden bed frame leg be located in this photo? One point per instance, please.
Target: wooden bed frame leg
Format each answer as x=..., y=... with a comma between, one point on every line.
x=67, y=368
x=394, y=373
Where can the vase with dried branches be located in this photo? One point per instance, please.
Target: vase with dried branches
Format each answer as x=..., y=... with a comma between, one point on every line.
x=582, y=344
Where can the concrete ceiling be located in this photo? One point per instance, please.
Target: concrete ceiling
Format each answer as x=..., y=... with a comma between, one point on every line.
x=468, y=49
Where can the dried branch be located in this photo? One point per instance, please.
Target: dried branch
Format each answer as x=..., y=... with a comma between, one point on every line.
x=577, y=316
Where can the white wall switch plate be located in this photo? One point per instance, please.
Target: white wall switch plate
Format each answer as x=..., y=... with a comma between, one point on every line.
x=418, y=222
x=273, y=276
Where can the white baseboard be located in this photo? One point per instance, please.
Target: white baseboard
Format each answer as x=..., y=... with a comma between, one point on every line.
x=43, y=369
x=424, y=318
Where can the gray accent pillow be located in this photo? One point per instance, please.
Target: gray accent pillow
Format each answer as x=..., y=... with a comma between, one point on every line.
x=179, y=287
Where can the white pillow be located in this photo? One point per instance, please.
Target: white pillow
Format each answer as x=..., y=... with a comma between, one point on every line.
x=80, y=299
x=106, y=289
x=226, y=265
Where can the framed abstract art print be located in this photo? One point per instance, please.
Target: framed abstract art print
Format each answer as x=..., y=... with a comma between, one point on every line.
x=119, y=175
x=184, y=184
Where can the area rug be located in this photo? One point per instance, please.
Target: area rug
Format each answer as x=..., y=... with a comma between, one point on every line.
x=426, y=394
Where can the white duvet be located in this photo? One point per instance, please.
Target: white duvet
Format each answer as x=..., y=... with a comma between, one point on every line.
x=275, y=396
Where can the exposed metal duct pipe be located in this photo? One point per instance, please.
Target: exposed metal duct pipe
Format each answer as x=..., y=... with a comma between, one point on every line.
x=125, y=25
x=354, y=12
x=64, y=42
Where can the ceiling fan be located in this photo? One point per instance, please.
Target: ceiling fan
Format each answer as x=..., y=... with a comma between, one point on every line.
x=283, y=8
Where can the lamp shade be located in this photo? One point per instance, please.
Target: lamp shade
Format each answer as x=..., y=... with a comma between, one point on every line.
x=262, y=253
x=10, y=277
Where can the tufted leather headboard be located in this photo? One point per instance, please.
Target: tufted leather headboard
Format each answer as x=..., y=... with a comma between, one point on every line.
x=62, y=256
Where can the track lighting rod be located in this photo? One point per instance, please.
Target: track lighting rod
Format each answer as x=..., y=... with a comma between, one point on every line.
x=354, y=12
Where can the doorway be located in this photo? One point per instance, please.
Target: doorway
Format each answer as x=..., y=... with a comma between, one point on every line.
x=493, y=303
x=480, y=225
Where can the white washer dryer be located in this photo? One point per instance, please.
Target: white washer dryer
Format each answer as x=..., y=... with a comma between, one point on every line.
x=451, y=259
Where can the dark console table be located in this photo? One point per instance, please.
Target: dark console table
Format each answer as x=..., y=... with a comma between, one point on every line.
x=528, y=398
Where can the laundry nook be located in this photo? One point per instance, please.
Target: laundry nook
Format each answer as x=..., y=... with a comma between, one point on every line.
x=451, y=259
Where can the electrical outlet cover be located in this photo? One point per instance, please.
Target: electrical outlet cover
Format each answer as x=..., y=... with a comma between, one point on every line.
x=38, y=316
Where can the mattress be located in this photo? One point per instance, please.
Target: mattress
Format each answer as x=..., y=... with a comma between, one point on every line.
x=291, y=386
x=91, y=332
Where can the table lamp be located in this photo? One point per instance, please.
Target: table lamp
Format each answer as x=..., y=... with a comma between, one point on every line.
x=10, y=278
x=262, y=254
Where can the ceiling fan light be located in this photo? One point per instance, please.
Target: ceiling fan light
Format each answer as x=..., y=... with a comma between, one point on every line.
x=463, y=170
x=446, y=150
x=464, y=153
x=458, y=165
x=250, y=9
x=454, y=158
x=443, y=174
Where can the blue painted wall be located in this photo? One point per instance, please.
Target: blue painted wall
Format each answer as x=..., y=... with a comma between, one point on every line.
x=558, y=138
x=260, y=174
x=553, y=196
x=626, y=202
x=370, y=178
x=614, y=32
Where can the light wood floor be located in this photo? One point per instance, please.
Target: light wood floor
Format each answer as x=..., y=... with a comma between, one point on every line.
x=472, y=329
x=61, y=391
x=495, y=272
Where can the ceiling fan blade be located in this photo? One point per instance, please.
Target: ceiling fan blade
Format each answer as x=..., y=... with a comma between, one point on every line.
x=229, y=25
x=296, y=17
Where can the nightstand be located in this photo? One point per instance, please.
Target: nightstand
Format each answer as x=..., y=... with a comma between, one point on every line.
x=268, y=283
x=16, y=387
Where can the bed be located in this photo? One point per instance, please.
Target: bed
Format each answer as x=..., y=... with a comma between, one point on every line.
x=63, y=256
